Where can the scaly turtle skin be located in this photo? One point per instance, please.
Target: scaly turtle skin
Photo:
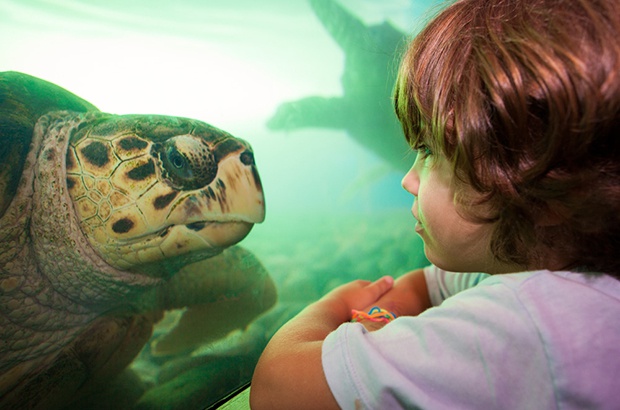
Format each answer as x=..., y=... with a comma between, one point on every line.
x=99, y=214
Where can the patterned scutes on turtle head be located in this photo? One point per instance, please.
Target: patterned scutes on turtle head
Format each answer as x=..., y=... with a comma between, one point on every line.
x=156, y=128
x=75, y=269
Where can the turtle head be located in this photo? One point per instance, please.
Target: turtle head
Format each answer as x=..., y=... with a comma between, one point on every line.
x=154, y=193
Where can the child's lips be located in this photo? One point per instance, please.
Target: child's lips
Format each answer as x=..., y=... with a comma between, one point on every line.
x=418, y=226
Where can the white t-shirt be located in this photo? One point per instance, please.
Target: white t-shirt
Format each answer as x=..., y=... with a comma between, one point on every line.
x=532, y=340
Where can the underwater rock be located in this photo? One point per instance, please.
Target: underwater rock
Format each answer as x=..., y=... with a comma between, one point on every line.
x=365, y=109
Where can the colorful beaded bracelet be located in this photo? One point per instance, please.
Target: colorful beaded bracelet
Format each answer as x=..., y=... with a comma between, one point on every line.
x=375, y=314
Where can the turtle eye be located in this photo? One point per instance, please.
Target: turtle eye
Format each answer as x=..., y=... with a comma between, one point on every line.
x=176, y=159
x=177, y=164
x=187, y=162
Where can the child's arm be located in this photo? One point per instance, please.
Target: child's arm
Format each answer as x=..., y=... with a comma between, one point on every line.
x=289, y=373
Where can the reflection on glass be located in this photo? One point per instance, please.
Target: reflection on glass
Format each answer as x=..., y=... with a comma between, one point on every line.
x=307, y=84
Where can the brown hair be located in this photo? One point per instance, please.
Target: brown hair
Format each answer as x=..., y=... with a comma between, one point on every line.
x=523, y=98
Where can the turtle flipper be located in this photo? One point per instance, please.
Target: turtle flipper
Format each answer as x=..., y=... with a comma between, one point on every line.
x=222, y=293
x=221, y=277
x=309, y=112
x=203, y=324
x=23, y=99
x=344, y=28
x=351, y=34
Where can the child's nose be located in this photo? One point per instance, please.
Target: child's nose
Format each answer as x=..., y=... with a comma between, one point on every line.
x=411, y=181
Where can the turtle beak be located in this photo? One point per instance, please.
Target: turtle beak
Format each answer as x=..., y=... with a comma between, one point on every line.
x=235, y=194
x=243, y=198
x=220, y=214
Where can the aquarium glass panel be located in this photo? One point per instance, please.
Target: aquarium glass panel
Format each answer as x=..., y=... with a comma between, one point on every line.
x=307, y=83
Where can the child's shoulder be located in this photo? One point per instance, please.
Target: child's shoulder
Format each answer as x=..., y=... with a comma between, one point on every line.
x=547, y=283
x=541, y=300
x=574, y=299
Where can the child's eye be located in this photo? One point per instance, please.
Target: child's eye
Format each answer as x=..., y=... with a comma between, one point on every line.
x=423, y=151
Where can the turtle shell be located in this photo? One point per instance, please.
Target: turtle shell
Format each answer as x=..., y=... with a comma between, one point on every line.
x=23, y=100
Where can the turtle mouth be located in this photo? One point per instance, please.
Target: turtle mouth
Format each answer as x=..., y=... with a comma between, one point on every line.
x=205, y=237
x=195, y=227
x=177, y=245
x=207, y=234
x=199, y=226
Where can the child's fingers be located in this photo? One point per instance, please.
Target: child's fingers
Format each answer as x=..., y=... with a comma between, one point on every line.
x=378, y=288
x=360, y=293
x=382, y=285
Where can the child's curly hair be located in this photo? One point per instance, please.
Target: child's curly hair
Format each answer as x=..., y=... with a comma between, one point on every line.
x=523, y=98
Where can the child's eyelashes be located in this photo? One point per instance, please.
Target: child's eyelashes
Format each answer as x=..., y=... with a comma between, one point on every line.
x=423, y=151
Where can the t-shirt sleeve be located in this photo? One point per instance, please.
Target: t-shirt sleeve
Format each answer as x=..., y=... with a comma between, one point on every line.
x=471, y=352
x=443, y=284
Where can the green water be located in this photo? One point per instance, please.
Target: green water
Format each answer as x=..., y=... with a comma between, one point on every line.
x=335, y=208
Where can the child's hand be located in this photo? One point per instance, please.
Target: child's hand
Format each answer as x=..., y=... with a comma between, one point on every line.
x=356, y=295
x=407, y=297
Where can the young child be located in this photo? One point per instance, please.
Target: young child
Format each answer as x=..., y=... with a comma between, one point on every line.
x=514, y=108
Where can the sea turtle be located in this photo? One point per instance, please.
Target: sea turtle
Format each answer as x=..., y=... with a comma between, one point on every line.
x=365, y=109
x=100, y=216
